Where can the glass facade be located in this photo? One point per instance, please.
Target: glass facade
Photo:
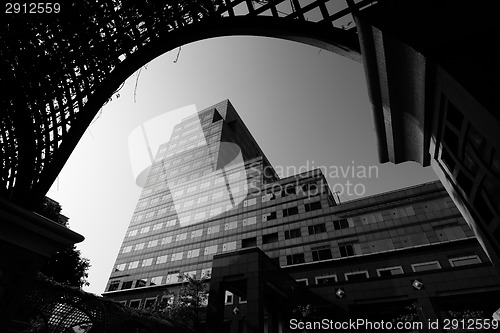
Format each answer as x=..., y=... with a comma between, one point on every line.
x=191, y=206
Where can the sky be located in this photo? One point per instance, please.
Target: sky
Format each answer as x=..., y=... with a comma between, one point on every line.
x=306, y=107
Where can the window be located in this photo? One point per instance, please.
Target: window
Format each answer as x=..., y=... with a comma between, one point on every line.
x=290, y=211
x=127, y=285
x=152, y=243
x=172, y=277
x=231, y=246
x=140, y=283
x=127, y=249
x=120, y=267
x=294, y=233
x=289, y=189
x=450, y=233
x=270, y=238
x=326, y=279
x=168, y=299
x=348, y=249
x=321, y=253
x=313, y=206
x=133, y=264
x=231, y=225
x=161, y=259
x=249, y=202
x=181, y=237
x=186, y=275
x=114, y=285
x=249, y=242
x=200, y=215
x=144, y=230
x=136, y=303
x=147, y=262
x=139, y=247
x=377, y=216
x=213, y=230
x=177, y=256
x=356, y=276
x=197, y=233
x=317, y=229
x=340, y=224
x=193, y=253
x=381, y=245
x=149, y=303
x=250, y=221
x=390, y=271
x=132, y=233
x=268, y=197
x=295, y=259
x=304, y=281
x=426, y=266
x=269, y=216
x=156, y=280
x=157, y=226
x=229, y=298
x=205, y=273
x=310, y=187
x=203, y=199
x=217, y=195
x=210, y=250
x=465, y=260
x=166, y=240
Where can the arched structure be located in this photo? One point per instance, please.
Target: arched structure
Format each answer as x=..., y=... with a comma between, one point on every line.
x=60, y=69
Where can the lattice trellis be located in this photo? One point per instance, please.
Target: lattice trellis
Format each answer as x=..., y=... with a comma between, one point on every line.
x=63, y=308
x=57, y=70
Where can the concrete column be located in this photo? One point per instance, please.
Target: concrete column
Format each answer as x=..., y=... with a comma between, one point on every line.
x=215, y=309
x=255, y=308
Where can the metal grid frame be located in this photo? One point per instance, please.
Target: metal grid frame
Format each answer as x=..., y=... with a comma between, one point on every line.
x=61, y=308
x=58, y=70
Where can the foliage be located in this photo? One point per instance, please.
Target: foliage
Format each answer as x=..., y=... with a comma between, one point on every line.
x=191, y=305
x=306, y=313
x=466, y=314
x=411, y=315
x=50, y=209
x=66, y=266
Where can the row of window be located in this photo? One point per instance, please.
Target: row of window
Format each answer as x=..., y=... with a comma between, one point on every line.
x=228, y=226
x=192, y=170
x=363, y=274
x=292, y=233
x=349, y=249
x=189, y=205
x=308, y=189
x=351, y=275
x=209, y=250
x=186, y=204
x=170, y=278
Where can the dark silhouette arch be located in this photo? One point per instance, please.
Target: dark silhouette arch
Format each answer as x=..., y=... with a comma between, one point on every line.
x=60, y=70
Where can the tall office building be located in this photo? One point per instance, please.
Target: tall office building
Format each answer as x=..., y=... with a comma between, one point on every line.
x=196, y=198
